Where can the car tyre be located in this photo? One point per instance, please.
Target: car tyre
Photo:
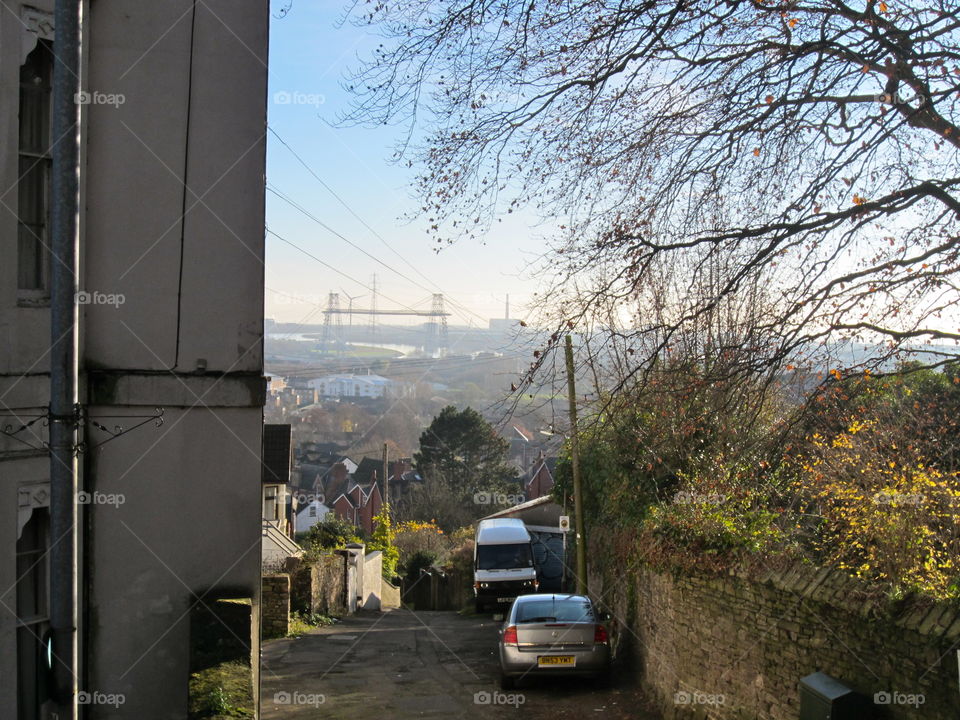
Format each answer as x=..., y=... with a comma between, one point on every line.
x=480, y=608
x=507, y=682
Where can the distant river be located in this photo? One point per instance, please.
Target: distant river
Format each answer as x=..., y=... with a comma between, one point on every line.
x=300, y=337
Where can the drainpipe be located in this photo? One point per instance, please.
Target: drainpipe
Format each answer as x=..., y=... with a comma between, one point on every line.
x=64, y=412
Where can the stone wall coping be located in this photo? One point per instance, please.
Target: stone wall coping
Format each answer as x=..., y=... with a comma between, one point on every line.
x=834, y=588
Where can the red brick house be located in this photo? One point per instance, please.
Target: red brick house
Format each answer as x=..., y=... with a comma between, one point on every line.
x=359, y=506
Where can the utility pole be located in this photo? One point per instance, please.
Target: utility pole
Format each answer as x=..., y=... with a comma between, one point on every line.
x=64, y=407
x=386, y=477
x=575, y=461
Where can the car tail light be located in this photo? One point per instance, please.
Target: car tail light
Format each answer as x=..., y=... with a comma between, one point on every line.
x=600, y=635
x=476, y=585
x=510, y=635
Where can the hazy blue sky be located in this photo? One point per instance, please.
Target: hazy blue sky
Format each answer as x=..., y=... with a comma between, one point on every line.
x=310, y=52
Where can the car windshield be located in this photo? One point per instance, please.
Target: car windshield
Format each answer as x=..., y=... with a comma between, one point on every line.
x=504, y=557
x=555, y=610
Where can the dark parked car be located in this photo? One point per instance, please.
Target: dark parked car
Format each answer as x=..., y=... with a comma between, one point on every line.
x=552, y=635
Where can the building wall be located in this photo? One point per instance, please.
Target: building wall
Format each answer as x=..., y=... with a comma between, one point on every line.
x=372, y=579
x=305, y=521
x=363, y=386
x=189, y=135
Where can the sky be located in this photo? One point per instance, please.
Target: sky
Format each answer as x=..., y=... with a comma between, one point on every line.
x=311, y=51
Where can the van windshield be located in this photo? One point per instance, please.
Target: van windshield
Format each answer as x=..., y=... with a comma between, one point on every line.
x=504, y=557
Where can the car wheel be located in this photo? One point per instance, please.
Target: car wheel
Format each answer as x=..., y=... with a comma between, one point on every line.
x=480, y=608
x=507, y=682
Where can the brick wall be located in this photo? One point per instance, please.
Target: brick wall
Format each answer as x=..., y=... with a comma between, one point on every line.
x=736, y=646
x=275, y=605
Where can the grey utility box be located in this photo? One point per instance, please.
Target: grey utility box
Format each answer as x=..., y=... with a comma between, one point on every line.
x=825, y=698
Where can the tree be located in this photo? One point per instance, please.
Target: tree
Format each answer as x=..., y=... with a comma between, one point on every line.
x=808, y=148
x=463, y=463
x=330, y=533
x=462, y=443
x=382, y=539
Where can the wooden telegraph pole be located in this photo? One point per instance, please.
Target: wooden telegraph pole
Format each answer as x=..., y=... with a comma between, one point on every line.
x=386, y=477
x=575, y=461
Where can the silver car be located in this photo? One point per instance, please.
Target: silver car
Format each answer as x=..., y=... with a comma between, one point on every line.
x=552, y=635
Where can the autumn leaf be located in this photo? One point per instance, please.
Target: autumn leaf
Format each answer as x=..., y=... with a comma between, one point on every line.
x=756, y=152
x=768, y=99
x=793, y=22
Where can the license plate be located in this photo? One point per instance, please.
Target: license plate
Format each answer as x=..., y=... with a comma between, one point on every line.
x=505, y=599
x=557, y=660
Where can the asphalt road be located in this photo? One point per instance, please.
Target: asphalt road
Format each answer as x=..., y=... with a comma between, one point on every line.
x=401, y=664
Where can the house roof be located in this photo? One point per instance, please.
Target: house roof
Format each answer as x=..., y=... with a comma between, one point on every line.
x=541, y=511
x=366, y=469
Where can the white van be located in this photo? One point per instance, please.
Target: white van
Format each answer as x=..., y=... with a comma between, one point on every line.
x=502, y=562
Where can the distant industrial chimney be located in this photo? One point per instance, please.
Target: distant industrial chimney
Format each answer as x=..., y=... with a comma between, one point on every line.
x=506, y=315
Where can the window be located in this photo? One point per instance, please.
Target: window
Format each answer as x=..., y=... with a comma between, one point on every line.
x=554, y=610
x=35, y=164
x=271, y=510
x=504, y=557
x=32, y=620
x=313, y=511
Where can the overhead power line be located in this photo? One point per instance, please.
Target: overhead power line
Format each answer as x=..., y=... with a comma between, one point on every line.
x=387, y=244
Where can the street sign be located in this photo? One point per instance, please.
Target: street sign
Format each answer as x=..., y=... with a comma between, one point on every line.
x=565, y=523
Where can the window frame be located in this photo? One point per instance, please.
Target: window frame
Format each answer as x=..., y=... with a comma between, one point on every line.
x=35, y=295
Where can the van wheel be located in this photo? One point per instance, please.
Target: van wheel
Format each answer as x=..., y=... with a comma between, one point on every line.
x=507, y=682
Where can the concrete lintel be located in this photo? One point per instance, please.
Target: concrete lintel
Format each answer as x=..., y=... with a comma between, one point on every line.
x=171, y=389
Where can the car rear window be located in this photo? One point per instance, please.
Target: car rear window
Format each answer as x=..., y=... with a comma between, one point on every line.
x=559, y=610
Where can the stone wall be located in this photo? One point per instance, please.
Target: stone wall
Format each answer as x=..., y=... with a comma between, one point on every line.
x=736, y=646
x=275, y=605
x=318, y=586
x=329, y=592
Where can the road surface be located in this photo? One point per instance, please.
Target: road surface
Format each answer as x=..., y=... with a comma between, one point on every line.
x=401, y=664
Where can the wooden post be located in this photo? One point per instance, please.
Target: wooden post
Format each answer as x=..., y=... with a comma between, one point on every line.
x=575, y=462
